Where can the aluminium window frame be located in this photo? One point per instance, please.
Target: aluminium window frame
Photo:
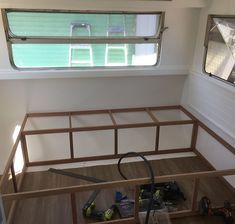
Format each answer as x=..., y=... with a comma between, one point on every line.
x=206, y=42
x=14, y=39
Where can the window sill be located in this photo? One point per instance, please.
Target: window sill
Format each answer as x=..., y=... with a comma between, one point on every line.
x=94, y=73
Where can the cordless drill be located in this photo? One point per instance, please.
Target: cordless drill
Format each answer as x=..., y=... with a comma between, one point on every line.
x=225, y=212
x=106, y=215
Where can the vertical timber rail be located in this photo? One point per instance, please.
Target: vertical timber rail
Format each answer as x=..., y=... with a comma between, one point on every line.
x=14, y=178
x=72, y=195
x=195, y=194
x=155, y=120
x=12, y=155
x=194, y=135
x=136, y=208
x=71, y=138
x=115, y=133
x=24, y=149
x=195, y=127
x=74, y=208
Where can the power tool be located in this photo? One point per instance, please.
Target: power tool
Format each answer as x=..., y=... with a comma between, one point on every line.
x=165, y=191
x=89, y=207
x=205, y=208
x=90, y=204
x=106, y=215
x=225, y=212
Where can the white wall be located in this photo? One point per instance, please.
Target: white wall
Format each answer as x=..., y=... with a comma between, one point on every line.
x=218, y=155
x=181, y=18
x=20, y=96
x=22, y=92
x=211, y=100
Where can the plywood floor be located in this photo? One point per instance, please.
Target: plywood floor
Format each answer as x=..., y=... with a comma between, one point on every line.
x=57, y=209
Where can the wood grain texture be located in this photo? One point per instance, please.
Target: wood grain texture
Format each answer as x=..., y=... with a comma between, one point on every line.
x=57, y=209
x=12, y=155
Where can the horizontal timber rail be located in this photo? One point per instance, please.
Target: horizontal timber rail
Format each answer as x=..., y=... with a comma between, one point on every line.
x=155, y=122
x=110, y=114
x=104, y=157
x=86, y=112
x=107, y=127
x=217, y=137
x=114, y=184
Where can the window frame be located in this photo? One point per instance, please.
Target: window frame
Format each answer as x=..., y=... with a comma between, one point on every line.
x=206, y=43
x=14, y=39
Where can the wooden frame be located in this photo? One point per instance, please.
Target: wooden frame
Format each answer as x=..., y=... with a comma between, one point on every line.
x=21, y=139
x=114, y=126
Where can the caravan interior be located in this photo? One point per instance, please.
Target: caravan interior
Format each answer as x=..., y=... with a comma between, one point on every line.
x=93, y=92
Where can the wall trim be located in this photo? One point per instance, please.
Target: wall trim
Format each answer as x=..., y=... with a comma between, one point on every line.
x=225, y=134
x=213, y=124
x=130, y=5
x=212, y=80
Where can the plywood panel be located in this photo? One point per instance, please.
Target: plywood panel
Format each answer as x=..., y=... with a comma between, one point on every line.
x=93, y=143
x=91, y=120
x=173, y=137
x=215, y=153
x=170, y=115
x=132, y=117
x=136, y=139
x=37, y=123
x=48, y=147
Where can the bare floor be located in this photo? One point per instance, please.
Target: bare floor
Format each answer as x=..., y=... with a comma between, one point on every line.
x=57, y=209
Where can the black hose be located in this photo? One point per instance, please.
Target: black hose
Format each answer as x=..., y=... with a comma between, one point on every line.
x=151, y=178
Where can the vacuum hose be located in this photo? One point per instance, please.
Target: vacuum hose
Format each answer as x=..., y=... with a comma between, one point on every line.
x=151, y=178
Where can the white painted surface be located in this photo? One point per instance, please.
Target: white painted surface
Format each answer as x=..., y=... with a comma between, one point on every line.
x=137, y=139
x=20, y=96
x=211, y=100
x=132, y=117
x=175, y=137
x=97, y=89
x=48, y=147
x=170, y=115
x=91, y=120
x=175, y=58
x=93, y=143
x=154, y=86
x=141, y=5
x=110, y=161
x=218, y=155
x=96, y=143
x=37, y=123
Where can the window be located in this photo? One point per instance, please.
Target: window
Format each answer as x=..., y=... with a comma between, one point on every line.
x=56, y=39
x=220, y=47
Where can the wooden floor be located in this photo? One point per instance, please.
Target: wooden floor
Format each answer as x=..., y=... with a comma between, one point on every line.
x=57, y=209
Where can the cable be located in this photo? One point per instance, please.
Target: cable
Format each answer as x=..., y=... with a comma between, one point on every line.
x=151, y=178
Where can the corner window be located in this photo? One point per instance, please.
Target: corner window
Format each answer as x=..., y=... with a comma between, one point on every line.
x=56, y=39
x=220, y=47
